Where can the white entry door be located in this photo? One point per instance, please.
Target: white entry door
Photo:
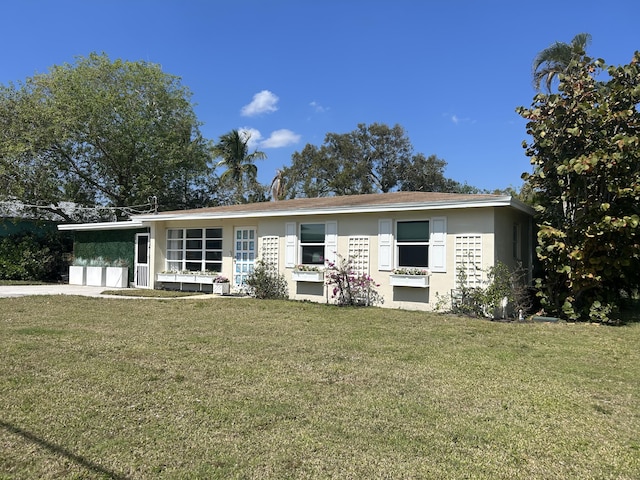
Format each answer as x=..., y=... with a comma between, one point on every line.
x=141, y=266
x=245, y=254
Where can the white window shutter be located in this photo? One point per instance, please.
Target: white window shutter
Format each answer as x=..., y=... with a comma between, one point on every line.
x=438, y=245
x=331, y=242
x=290, y=245
x=385, y=244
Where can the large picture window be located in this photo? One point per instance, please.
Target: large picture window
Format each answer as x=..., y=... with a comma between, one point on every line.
x=194, y=249
x=412, y=243
x=312, y=243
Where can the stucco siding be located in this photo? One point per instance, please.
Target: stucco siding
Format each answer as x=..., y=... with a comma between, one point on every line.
x=492, y=226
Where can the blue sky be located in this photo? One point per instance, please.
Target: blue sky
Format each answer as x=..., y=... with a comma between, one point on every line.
x=451, y=72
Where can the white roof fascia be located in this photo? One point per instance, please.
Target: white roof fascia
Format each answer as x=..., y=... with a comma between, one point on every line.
x=129, y=224
x=505, y=201
x=523, y=207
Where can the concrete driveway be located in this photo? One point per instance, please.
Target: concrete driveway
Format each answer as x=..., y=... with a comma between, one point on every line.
x=26, y=290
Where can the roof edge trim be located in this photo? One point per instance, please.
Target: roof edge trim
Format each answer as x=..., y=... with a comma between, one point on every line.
x=503, y=201
x=129, y=224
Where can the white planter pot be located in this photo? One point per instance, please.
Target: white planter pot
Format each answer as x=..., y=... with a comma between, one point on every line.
x=416, y=281
x=221, y=288
x=166, y=277
x=96, y=276
x=302, y=276
x=77, y=275
x=117, y=277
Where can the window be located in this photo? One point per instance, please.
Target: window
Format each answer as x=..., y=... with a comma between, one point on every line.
x=194, y=249
x=312, y=243
x=412, y=243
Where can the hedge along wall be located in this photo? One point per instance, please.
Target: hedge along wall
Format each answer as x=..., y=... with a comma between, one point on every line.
x=108, y=244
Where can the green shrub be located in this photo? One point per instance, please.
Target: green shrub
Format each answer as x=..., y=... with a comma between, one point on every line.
x=27, y=256
x=504, y=293
x=351, y=288
x=266, y=283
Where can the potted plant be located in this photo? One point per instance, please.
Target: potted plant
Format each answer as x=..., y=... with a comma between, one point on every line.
x=220, y=285
x=78, y=271
x=117, y=274
x=307, y=273
x=410, y=277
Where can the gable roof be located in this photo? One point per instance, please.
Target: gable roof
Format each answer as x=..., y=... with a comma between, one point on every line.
x=375, y=202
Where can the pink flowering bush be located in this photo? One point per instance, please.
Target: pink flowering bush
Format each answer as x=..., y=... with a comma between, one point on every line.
x=350, y=287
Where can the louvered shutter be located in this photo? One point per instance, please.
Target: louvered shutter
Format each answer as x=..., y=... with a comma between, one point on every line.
x=385, y=244
x=438, y=245
x=290, y=245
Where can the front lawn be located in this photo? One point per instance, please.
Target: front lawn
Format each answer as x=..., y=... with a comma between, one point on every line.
x=240, y=388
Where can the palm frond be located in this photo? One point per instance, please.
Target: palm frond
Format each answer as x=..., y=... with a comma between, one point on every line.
x=556, y=58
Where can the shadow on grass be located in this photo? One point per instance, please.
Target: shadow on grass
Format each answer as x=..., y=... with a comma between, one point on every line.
x=58, y=450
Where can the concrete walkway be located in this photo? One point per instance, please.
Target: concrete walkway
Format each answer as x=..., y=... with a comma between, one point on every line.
x=7, y=291
x=26, y=290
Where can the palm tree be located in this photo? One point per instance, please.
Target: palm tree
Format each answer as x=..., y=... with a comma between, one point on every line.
x=233, y=150
x=277, y=186
x=556, y=58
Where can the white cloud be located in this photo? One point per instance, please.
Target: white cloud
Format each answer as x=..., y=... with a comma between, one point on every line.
x=263, y=102
x=317, y=107
x=253, y=134
x=280, y=138
x=456, y=120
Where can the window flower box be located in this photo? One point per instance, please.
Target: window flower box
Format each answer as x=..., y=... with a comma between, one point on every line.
x=205, y=279
x=77, y=275
x=117, y=277
x=210, y=279
x=403, y=280
x=186, y=278
x=166, y=277
x=307, y=276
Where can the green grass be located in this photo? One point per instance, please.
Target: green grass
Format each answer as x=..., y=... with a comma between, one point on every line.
x=239, y=388
x=149, y=293
x=22, y=282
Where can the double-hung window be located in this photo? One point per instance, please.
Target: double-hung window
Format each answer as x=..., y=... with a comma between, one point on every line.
x=194, y=249
x=312, y=243
x=412, y=243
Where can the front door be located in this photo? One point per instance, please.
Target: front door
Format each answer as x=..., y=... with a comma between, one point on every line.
x=141, y=266
x=245, y=254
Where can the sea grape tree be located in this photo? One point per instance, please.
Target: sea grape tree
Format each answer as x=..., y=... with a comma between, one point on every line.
x=585, y=153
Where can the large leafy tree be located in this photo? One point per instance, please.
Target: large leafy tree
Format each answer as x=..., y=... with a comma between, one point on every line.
x=371, y=159
x=240, y=170
x=426, y=174
x=556, y=58
x=585, y=152
x=366, y=160
x=101, y=133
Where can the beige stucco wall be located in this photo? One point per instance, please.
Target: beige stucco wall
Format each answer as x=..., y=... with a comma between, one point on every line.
x=479, y=221
x=505, y=221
